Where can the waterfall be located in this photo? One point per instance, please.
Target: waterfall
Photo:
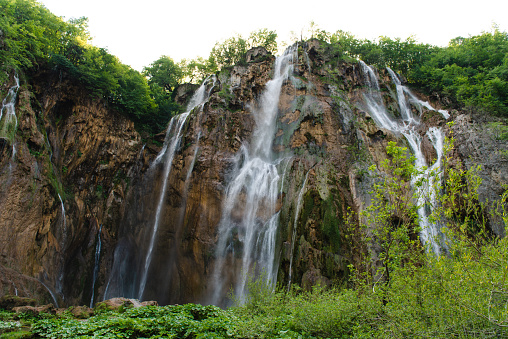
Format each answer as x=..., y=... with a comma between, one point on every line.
x=249, y=221
x=430, y=232
x=10, y=100
x=374, y=100
x=8, y=112
x=96, y=264
x=293, y=237
x=59, y=283
x=171, y=143
x=50, y=292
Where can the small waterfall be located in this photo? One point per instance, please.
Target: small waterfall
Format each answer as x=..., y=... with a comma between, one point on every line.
x=8, y=113
x=96, y=264
x=374, y=100
x=293, y=238
x=63, y=223
x=430, y=232
x=51, y=293
x=9, y=102
x=171, y=143
x=247, y=230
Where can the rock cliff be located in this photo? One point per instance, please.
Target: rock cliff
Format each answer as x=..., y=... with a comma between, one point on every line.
x=76, y=166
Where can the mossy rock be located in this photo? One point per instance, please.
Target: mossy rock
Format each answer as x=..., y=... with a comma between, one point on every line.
x=8, y=302
x=81, y=312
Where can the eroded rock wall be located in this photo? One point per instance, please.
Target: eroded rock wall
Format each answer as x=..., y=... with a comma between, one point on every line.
x=69, y=146
x=73, y=161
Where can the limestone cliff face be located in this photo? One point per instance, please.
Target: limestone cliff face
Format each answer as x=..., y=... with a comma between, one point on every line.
x=70, y=145
x=72, y=163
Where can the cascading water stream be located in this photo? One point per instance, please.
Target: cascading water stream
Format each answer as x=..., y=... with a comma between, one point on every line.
x=8, y=104
x=51, y=293
x=171, y=143
x=8, y=114
x=63, y=224
x=374, y=101
x=98, y=247
x=430, y=232
x=293, y=237
x=249, y=222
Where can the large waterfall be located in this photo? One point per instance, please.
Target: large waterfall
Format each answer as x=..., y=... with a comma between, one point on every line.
x=249, y=222
x=406, y=125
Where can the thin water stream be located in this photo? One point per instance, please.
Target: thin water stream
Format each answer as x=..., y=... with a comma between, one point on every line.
x=295, y=223
x=96, y=267
x=171, y=143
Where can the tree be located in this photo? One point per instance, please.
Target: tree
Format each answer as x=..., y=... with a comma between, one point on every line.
x=164, y=73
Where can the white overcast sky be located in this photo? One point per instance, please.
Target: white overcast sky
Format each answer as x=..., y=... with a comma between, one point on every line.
x=139, y=32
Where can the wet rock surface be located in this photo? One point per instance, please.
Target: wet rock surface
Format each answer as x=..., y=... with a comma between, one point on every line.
x=79, y=165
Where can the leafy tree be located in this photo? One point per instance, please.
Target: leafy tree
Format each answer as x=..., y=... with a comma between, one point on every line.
x=230, y=52
x=164, y=73
x=263, y=38
x=473, y=71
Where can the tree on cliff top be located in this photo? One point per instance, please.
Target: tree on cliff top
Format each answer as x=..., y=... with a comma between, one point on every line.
x=33, y=39
x=228, y=53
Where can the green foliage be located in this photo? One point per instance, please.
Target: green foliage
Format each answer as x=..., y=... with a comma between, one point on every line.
x=9, y=325
x=400, y=55
x=499, y=130
x=164, y=73
x=228, y=53
x=32, y=38
x=473, y=71
x=163, y=77
x=178, y=321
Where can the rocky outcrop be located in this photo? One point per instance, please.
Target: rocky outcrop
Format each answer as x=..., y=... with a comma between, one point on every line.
x=79, y=166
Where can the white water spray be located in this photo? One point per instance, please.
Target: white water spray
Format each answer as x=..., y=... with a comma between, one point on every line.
x=249, y=219
x=9, y=124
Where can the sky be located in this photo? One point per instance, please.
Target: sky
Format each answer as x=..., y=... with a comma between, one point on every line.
x=139, y=32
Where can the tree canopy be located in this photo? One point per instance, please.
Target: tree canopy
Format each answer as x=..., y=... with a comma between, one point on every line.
x=33, y=39
x=472, y=71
